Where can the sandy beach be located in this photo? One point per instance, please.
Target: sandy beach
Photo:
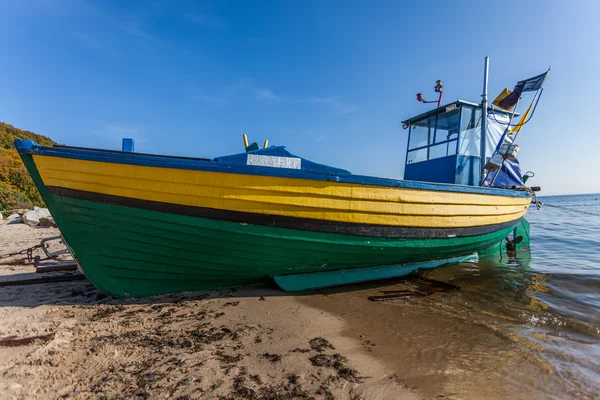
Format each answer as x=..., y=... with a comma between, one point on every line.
x=250, y=343
x=256, y=343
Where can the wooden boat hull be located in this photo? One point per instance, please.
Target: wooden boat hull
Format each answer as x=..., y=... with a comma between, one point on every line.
x=139, y=230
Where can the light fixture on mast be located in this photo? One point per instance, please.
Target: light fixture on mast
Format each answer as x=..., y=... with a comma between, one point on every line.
x=438, y=88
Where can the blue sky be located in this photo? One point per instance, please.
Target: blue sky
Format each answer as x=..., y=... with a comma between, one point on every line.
x=331, y=80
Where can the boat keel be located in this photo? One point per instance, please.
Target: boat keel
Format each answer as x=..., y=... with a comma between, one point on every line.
x=317, y=280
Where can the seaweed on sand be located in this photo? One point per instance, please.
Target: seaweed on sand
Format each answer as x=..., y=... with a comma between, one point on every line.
x=319, y=344
x=337, y=362
x=105, y=311
x=271, y=357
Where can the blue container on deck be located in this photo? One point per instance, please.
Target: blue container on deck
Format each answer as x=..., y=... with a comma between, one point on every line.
x=128, y=145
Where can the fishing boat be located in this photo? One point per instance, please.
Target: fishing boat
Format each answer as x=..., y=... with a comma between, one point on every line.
x=142, y=224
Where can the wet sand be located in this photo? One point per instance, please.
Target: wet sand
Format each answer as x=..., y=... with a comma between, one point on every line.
x=440, y=349
x=256, y=343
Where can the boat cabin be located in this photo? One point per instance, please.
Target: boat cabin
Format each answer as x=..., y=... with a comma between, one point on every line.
x=444, y=144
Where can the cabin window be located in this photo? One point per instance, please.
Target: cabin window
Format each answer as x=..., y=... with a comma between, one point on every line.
x=434, y=137
x=417, y=156
x=421, y=133
x=442, y=150
x=470, y=132
x=447, y=126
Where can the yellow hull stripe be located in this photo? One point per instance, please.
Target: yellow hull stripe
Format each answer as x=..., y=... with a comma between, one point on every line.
x=300, y=198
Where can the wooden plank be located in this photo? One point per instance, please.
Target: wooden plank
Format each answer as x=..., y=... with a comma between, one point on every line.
x=56, y=262
x=46, y=279
x=405, y=295
x=18, y=261
x=13, y=341
x=57, y=266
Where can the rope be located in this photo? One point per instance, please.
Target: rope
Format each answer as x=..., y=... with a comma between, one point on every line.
x=527, y=189
x=571, y=210
x=538, y=204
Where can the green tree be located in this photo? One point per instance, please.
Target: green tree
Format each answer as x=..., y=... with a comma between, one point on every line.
x=17, y=189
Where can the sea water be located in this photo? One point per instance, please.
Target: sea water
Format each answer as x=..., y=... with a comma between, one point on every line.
x=552, y=290
x=565, y=259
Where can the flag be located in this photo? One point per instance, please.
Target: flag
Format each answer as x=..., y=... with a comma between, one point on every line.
x=528, y=85
x=518, y=127
x=501, y=97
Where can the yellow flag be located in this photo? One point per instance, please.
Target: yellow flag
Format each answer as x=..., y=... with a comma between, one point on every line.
x=517, y=128
x=501, y=97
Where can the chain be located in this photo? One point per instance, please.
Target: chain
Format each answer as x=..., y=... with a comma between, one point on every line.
x=28, y=252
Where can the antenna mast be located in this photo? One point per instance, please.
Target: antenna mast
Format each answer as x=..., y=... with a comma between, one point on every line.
x=484, y=100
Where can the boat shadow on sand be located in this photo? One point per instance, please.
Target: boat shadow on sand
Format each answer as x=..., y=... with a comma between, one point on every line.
x=83, y=293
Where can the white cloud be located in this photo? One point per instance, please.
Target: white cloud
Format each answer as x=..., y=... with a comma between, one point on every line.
x=208, y=21
x=93, y=43
x=117, y=132
x=121, y=130
x=266, y=94
x=223, y=96
x=244, y=86
x=347, y=109
x=335, y=102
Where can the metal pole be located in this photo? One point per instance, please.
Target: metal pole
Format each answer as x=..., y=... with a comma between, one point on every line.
x=484, y=117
